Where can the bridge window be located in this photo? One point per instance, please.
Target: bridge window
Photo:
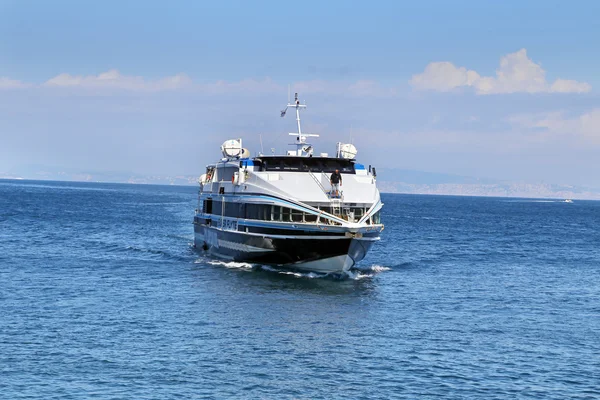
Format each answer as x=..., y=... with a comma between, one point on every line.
x=314, y=164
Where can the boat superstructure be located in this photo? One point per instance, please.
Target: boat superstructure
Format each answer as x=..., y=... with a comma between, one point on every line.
x=281, y=210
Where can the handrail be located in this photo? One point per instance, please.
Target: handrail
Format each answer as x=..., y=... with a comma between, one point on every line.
x=318, y=182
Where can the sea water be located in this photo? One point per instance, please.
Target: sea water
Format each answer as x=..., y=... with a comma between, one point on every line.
x=102, y=296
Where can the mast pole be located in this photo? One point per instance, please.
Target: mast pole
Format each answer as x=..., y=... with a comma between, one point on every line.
x=298, y=120
x=301, y=145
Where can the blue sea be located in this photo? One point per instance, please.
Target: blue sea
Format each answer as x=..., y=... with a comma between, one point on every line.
x=102, y=296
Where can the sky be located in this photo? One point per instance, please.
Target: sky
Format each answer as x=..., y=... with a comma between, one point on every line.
x=505, y=90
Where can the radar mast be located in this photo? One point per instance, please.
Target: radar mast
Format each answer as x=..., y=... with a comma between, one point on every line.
x=302, y=147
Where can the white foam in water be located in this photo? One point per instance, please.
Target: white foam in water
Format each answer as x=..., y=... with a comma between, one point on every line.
x=267, y=268
x=293, y=273
x=231, y=264
x=379, y=268
x=354, y=274
x=368, y=272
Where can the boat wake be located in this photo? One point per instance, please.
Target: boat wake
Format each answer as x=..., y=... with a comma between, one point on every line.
x=358, y=273
x=354, y=273
x=227, y=264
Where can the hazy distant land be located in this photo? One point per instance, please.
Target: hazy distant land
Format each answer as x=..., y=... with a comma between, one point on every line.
x=389, y=181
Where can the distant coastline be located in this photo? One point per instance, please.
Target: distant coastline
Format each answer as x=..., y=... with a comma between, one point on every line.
x=386, y=185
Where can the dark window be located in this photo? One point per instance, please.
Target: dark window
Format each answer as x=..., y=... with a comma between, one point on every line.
x=217, y=207
x=265, y=212
x=252, y=211
x=233, y=209
x=296, y=216
x=314, y=164
x=208, y=206
x=310, y=218
x=325, y=209
x=358, y=213
x=258, y=211
x=286, y=214
x=276, y=213
x=292, y=164
x=377, y=218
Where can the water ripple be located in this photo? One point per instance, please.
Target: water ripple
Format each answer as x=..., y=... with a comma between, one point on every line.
x=102, y=296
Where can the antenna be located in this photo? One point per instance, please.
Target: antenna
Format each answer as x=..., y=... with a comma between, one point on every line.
x=289, y=89
x=261, y=146
x=300, y=137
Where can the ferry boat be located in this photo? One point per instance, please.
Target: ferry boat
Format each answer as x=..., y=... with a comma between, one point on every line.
x=282, y=210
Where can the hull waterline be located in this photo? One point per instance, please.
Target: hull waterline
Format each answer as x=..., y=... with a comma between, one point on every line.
x=332, y=255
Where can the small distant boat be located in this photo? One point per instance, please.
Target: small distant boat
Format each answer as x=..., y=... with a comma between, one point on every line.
x=568, y=201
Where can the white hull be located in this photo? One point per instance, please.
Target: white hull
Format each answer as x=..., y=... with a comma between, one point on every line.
x=335, y=264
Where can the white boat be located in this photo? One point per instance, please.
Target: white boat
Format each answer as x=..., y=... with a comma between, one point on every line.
x=568, y=201
x=280, y=209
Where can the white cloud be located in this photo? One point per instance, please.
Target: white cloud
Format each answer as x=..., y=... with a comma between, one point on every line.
x=7, y=83
x=245, y=85
x=517, y=74
x=114, y=79
x=585, y=126
x=361, y=88
x=570, y=86
x=444, y=76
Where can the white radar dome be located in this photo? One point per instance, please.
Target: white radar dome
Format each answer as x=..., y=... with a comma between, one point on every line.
x=232, y=148
x=348, y=151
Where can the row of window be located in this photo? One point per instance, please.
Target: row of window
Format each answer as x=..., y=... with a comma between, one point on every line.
x=266, y=212
x=315, y=164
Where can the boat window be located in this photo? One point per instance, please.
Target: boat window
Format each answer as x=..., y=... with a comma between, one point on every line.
x=314, y=164
x=276, y=213
x=296, y=216
x=310, y=218
x=252, y=211
x=291, y=164
x=286, y=214
x=358, y=212
x=256, y=211
x=325, y=209
x=216, y=207
x=235, y=210
x=207, y=207
x=377, y=218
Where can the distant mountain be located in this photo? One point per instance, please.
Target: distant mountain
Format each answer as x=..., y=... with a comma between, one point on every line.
x=420, y=182
x=427, y=178
x=389, y=180
x=42, y=172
